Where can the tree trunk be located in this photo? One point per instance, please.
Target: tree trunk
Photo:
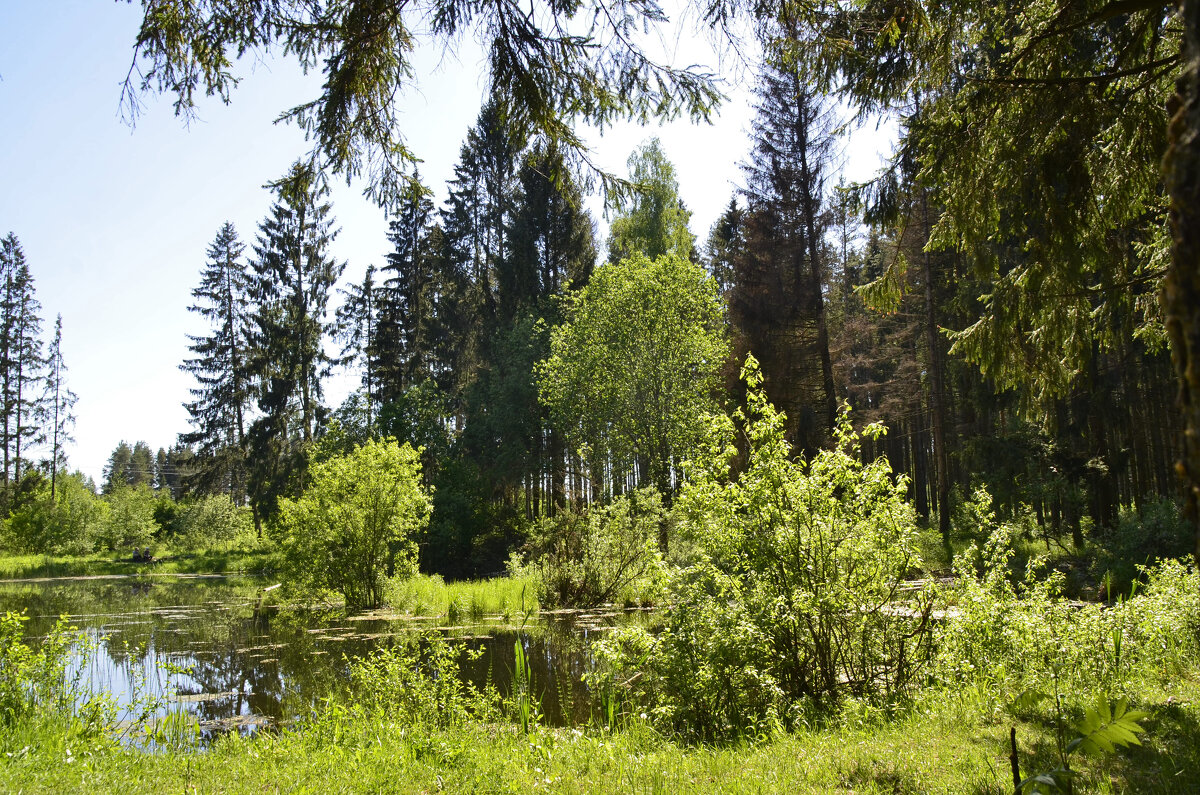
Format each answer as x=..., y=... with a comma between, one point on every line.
x=1182, y=284
x=937, y=393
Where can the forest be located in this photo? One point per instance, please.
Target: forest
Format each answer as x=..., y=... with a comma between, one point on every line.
x=913, y=458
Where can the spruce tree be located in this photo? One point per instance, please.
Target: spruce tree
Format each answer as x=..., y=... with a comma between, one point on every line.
x=220, y=410
x=22, y=364
x=59, y=402
x=118, y=469
x=293, y=276
x=402, y=349
x=777, y=305
x=357, y=328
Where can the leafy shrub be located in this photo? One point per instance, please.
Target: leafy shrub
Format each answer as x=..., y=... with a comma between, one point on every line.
x=419, y=683
x=67, y=524
x=212, y=520
x=603, y=554
x=356, y=519
x=130, y=520
x=1010, y=637
x=1141, y=538
x=796, y=602
x=30, y=680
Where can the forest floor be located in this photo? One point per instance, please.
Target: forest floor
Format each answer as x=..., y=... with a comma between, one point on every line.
x=951, y=744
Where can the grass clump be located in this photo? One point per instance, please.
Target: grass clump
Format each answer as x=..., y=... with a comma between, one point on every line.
x=512, y=598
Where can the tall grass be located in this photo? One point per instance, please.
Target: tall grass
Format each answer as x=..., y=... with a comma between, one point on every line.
x=513, y=599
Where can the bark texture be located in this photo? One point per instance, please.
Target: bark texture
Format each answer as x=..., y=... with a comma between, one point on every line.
x=1181, y=294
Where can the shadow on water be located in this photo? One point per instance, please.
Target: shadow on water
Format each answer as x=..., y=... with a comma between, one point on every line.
x=197, y=644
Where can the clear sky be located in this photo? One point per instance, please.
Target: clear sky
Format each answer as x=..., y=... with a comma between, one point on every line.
x=115, y=220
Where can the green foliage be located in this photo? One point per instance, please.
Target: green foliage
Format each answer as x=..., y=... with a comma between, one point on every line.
x=795, y=603
x=600, y=555
x=1105, y=727
x=631, y=374
x=573, y=61
x=1158, y=531
x=654, y=222
x=1010, y=637
x=418, y=683
x=68, y=524
x=358, y=517
x=31, y=680
x=211, y=521
x=130, y=519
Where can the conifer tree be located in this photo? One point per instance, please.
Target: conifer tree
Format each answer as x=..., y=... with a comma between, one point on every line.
x=725, y=242
x=357, y=328
x=59, y=402
x=402, y=347
x=293, y=276
x=777, y=304
x=21, y=361
x=220, y=363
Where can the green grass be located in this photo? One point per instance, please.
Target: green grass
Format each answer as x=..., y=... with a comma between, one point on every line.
x=170, y=561
x=951, y=747
x=515, y=598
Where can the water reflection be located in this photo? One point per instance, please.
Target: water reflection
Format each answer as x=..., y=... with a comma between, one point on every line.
x=200, y=641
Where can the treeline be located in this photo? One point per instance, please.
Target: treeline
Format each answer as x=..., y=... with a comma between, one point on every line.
x=444, y=335
x=840, y=298
x=36, y=405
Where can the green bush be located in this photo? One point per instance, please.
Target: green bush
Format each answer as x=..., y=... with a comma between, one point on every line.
x=68, y=524
x=601, y=555
x=356, y=520
x=795, y=604
x=418, y=682
x=1141, y=538
x=31, y=680
x=1006, y=637
x=209, y=521
x=130, y=520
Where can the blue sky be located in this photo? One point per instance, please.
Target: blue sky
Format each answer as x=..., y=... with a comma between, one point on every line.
x=115, y=220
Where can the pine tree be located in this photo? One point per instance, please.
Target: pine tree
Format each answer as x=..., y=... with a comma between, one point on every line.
x=58, y=402
x=220, y=364
x=293, y=276
x=402, y=349
x=21, y=361
x=777, y=305
x=357, y=328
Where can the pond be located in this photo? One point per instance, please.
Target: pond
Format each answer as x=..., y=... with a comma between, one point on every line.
x=199, y=642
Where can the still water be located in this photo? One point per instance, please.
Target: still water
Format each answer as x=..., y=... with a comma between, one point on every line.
x=198, y=642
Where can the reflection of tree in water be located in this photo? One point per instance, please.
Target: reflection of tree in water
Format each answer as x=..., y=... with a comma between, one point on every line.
x=281, y=663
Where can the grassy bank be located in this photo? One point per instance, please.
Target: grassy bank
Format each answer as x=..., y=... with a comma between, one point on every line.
x=168, y=561
x=949, y=746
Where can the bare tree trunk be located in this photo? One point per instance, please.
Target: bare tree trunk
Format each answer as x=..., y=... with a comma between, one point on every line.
x=937, y=393
x=1182, y=286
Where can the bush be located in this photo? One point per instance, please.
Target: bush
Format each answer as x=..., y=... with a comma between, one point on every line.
x=68, y=524
x=601, y=555
x=212, y=520
x=356, y=520
x=796, y=603
x=31, y=680
x=1007, y=637
x=130, y=521
x=419, y=683
x=1141, y=538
